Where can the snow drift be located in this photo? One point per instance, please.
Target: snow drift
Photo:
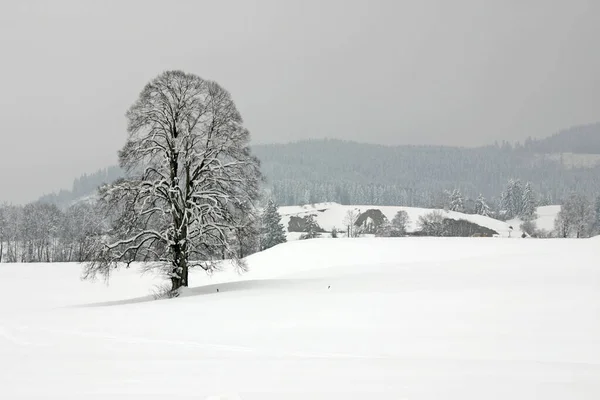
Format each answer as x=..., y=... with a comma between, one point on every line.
x=418, y=318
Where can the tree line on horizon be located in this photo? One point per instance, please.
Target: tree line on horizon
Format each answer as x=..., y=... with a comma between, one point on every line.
x=314, y=171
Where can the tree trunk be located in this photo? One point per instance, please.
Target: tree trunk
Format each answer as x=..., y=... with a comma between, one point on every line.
x=180, y=272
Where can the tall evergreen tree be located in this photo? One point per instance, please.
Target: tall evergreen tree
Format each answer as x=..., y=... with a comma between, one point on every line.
x=311, y=228
x=512, y=199
x=481, y=206
x=456, y=201
x=517, y=198
x=528, y=204
x=272, y=230
x=506, y=203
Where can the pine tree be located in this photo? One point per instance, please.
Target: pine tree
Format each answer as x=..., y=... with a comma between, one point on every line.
x=528, y=203
x=272, y=231
x=311, y=228
x=481, y=207
x=506, y=203
x=517, y=198
x=456, y=201
x=512, y=199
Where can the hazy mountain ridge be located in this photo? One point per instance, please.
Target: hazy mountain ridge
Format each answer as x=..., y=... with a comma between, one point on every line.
x=83, y=186
x=358, y=173
x=582, y=139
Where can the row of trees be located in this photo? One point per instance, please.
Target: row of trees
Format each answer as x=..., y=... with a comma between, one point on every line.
x=516, y=201
x=40, y=232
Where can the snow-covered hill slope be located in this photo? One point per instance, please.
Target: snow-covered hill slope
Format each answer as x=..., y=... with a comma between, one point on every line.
x=545, y=218
x=330, y=215
x=369, y=318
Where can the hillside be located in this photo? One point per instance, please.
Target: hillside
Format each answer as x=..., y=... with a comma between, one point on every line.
x=545, y=218
x=583, y=139
x=353, y=173
x=419, y=318
x=332, y=215
x=345, y=172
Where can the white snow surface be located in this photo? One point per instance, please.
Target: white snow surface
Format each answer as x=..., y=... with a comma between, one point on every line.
x=367, y=318
x=330, y=215
x=545, y=218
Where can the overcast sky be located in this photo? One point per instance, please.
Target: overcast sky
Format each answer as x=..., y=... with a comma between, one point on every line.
x=394, y=72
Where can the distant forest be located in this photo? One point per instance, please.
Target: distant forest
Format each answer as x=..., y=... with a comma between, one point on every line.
x=355, y=173
x=583, y=139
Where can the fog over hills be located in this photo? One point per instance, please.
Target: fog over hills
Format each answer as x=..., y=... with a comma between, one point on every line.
x=360, y=173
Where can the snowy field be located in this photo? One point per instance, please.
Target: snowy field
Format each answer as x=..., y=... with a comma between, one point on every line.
x=403, y=318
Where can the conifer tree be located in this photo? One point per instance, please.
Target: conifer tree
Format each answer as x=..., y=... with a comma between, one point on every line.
x=481, y=207
x=528, y=203
x=456, y=201
x=311, y=228
x=517, y=198
x=272, y=230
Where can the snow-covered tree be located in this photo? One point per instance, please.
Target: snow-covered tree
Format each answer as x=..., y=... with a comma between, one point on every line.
x=384, y=229
x=512, y=199
x=189, y=172
x=517, y=197
x=528, y=203
x=456, y=201
x=562, y=225
x=481, y=206
x=399, y=223
x=272, y=231
x=311, y=228
x=578, y=214
x=334, y=233
x=350, y=222
x=529, y=227
x=432, y=224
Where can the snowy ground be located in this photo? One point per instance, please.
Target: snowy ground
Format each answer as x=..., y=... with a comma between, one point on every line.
x=404, y=318
x=545, y=218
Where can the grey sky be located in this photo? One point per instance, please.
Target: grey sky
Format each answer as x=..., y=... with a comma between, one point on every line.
x=396, y=72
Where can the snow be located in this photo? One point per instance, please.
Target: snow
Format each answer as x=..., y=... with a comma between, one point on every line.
x=545, y=218
x=330, y=215
x=394, y=318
